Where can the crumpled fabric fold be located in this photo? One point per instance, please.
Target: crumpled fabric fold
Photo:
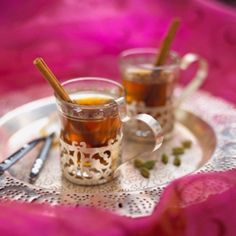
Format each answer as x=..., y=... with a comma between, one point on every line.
x=201, y=204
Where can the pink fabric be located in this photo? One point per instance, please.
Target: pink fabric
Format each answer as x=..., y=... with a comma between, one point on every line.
x=198, y=205
x=83, y=38
x=209, y=29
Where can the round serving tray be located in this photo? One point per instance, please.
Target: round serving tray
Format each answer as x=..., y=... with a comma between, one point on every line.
x=210, y=124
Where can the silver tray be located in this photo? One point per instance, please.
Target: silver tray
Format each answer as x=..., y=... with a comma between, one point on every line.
x=213, y=149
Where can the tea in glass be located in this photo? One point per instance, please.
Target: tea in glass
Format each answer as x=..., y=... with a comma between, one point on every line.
x=150, y=88
x=91, y=130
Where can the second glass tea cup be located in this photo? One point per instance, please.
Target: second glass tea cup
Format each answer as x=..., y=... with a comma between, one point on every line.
x=150, y=88
x=92, y=129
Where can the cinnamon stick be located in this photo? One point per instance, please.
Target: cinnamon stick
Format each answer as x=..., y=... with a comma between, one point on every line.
x=60, y=91
x=166, y=42
x=162, y=56
x=52, y=80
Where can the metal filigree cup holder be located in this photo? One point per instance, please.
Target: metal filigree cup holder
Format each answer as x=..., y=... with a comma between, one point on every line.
x=105, y=160
x=210, y=126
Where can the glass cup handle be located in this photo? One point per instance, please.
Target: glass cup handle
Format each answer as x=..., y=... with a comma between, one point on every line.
x=152, y=124
x=198, y=79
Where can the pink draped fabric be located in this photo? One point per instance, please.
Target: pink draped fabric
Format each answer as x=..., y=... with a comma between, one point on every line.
x=198, y=205
x=84, y=38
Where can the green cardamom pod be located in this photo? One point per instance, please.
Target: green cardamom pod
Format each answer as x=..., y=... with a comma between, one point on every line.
x=164, y=158
x=149, y=164
x=178, y=151
x=187, y=144
x=138, y=163
x=145, y=172
x=177, y=161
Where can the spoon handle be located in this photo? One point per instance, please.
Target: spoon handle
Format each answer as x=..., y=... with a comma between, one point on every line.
x=13, y=158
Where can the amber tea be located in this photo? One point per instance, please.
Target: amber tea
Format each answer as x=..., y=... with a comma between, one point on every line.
x=150, y=92
x=153, y=89
x=92, y=128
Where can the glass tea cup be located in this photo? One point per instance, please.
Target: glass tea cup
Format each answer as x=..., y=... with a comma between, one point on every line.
x=150, y=89
x=92, y=130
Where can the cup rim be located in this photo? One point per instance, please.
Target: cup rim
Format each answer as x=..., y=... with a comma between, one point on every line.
x=113, y=103
x=149, y=50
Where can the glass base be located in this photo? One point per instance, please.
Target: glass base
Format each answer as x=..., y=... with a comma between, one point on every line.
x=79, y=180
